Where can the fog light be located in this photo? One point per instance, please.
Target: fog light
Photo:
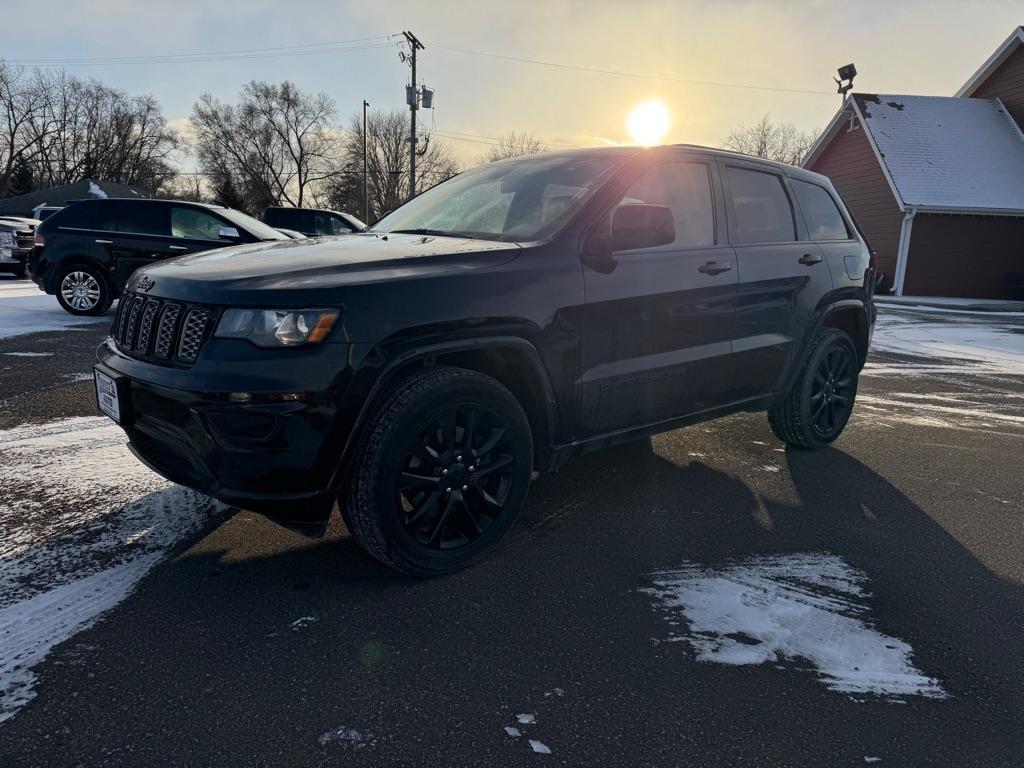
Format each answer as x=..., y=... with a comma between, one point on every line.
x=240, y=397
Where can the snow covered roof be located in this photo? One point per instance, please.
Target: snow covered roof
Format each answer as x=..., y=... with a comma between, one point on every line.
x=940, y=153
x=1002, y=53
x=22, y=205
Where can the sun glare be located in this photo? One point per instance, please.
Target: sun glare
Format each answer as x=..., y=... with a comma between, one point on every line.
x=648, y=122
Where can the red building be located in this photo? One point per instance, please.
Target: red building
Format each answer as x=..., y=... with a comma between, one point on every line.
x=937, y=183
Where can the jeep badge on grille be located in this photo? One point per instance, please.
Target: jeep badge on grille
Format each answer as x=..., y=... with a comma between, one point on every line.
x=145, y=283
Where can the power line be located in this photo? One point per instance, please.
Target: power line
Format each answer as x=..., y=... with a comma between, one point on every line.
x=617, y=73
x=498, y=139
x=306, y=49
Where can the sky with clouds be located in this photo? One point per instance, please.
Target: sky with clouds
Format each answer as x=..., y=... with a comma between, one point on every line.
x=899, y=46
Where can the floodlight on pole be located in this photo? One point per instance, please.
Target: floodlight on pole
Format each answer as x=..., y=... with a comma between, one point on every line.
x=845, y=80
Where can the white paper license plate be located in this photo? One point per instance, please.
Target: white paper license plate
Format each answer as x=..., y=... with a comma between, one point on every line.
x=106, y=396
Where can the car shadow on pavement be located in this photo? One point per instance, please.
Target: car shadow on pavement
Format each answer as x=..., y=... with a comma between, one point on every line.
x=254, y=645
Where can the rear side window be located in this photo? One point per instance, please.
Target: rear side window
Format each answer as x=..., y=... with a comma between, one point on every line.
x=140, y=218
x=821, y=214
x=84, y=215
x=685, y=189
x=762, y=212
x=291, y=218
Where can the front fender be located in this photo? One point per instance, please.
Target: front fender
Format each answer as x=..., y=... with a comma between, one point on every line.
x=381, y=368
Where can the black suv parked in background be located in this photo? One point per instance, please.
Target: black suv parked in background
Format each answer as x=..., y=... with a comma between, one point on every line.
x=86, y=252
x=503, y=321
x=313, y=222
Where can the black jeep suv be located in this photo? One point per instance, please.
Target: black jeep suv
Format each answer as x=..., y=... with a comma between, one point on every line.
x=86, y=251
x=501, y=322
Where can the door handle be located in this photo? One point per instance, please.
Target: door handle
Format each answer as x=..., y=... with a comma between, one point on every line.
x=105, y=242
x=177, y=247
x=714, y=267
x=810, y=258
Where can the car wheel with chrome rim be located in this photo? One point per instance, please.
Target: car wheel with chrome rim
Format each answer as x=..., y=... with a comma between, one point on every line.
x=84, y=290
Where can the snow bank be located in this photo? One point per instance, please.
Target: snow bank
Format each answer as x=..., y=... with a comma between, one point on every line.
x=807, y=606
x=26, y=309
x=81, y=521
x=982, y=346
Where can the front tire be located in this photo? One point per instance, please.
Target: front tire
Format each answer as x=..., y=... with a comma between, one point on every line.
x=818, y=407
x=84, y=290
x=442, y=474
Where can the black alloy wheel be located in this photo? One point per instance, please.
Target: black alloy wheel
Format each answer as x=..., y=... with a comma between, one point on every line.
x=817, y=407
x=442, y=474
x=456, y=477
x=832, y=390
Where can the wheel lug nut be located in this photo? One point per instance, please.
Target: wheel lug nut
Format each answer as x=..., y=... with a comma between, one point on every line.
x=448, y=490
x=444, y=472
x=458, y=458
x=465, y=487
x=472, y=468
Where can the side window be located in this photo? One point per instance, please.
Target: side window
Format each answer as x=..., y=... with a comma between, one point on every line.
x=326, y=224
x=339, y=226
x=195, y=224
x=138, y=218
x=761, y=207
x=821, y=214
x=83, y=215
x=685, y=189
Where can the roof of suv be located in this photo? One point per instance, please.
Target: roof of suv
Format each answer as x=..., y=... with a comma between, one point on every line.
x=631, y=151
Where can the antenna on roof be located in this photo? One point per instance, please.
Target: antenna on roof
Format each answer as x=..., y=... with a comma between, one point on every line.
x=846, y=73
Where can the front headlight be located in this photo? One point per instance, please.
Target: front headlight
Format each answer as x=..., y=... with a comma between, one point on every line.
x=277, y=327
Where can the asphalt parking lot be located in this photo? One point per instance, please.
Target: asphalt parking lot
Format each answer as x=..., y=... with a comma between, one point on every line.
x=704, y=598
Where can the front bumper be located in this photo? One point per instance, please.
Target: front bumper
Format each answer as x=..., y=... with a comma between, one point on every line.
x=274, y=453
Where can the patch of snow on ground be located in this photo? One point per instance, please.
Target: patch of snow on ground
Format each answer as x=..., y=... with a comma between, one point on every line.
x=81, y=521
x=513, y=732
x=539, y=748
x=25, y=309
x=526, y=719
x=27, y=354
x=808, y=606
x=346, y=736
x=974, y=346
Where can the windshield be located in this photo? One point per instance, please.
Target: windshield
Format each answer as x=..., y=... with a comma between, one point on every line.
x=516, y=200
x=255, y=227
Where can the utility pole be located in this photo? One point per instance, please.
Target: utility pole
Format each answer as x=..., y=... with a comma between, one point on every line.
x=366, y=178
x=412, y=96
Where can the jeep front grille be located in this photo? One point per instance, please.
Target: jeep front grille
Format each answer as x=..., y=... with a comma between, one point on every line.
x=161, y=331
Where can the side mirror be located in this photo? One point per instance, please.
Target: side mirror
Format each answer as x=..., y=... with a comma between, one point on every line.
x=642, y=226
x=229, y=233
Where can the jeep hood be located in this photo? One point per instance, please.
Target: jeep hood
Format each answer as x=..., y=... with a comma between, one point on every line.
x=309, y=272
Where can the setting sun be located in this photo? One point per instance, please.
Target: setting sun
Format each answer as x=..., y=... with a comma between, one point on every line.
x=648, y=122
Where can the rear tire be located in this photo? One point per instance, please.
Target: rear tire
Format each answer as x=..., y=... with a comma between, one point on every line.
x=442, y=473
x=84, y=290
x=818, y=406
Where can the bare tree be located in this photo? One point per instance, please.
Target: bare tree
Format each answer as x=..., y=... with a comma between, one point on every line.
x=781, y=142
x=387, y=161
x=277, y=143
x=74, y=129
x=513, y=144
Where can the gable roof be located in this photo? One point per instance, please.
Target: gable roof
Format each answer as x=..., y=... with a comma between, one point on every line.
x=80, y=190
x=1002, y=53
x=940, y=153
